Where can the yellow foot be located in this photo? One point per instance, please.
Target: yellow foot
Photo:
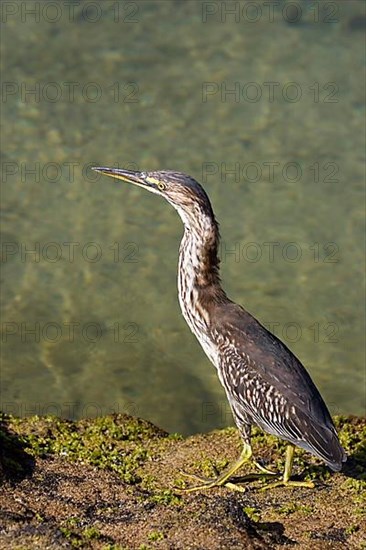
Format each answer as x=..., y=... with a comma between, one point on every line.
x=203, y=483
x=289, y=483
x=207, y=483
x=224, y=478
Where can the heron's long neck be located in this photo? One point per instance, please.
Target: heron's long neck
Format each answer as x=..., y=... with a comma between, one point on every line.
x=199, y=286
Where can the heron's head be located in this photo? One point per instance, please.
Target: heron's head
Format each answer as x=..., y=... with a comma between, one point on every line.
x=181, y=191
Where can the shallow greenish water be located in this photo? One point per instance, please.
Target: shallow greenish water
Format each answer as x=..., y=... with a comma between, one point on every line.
x=267, y=114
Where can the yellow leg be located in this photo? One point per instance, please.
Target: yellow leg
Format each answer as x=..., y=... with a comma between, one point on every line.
x=287, y=474
x=223, y=478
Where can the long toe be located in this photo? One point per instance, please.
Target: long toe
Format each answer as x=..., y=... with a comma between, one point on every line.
x=209, y=484
x=282, y=483
x=264, y=469
x=202, y=484
x=236, y=484
x=195, y=477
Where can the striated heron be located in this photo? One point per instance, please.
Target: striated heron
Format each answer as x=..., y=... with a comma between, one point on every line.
x=265, y=383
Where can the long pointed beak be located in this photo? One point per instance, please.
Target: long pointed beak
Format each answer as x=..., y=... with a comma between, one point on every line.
x=125, y=175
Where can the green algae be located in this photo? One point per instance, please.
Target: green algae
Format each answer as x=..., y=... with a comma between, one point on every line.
x=132, y=448
x=156, y=536
x=79, y=538
x=116, y=443
x=122, y=444
x=253, y=513
x=293, y=507
x=166, y=497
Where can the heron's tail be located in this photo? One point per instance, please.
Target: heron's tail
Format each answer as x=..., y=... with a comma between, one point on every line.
x=322, y=441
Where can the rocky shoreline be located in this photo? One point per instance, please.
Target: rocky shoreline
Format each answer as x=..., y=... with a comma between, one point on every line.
x=110, y=484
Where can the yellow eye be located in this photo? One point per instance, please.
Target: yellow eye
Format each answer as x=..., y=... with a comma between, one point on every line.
x=161, y=186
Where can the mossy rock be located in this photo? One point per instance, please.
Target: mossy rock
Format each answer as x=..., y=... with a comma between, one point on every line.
x=110, y=483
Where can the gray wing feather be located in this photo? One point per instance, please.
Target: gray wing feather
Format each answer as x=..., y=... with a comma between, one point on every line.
x=275, y=389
